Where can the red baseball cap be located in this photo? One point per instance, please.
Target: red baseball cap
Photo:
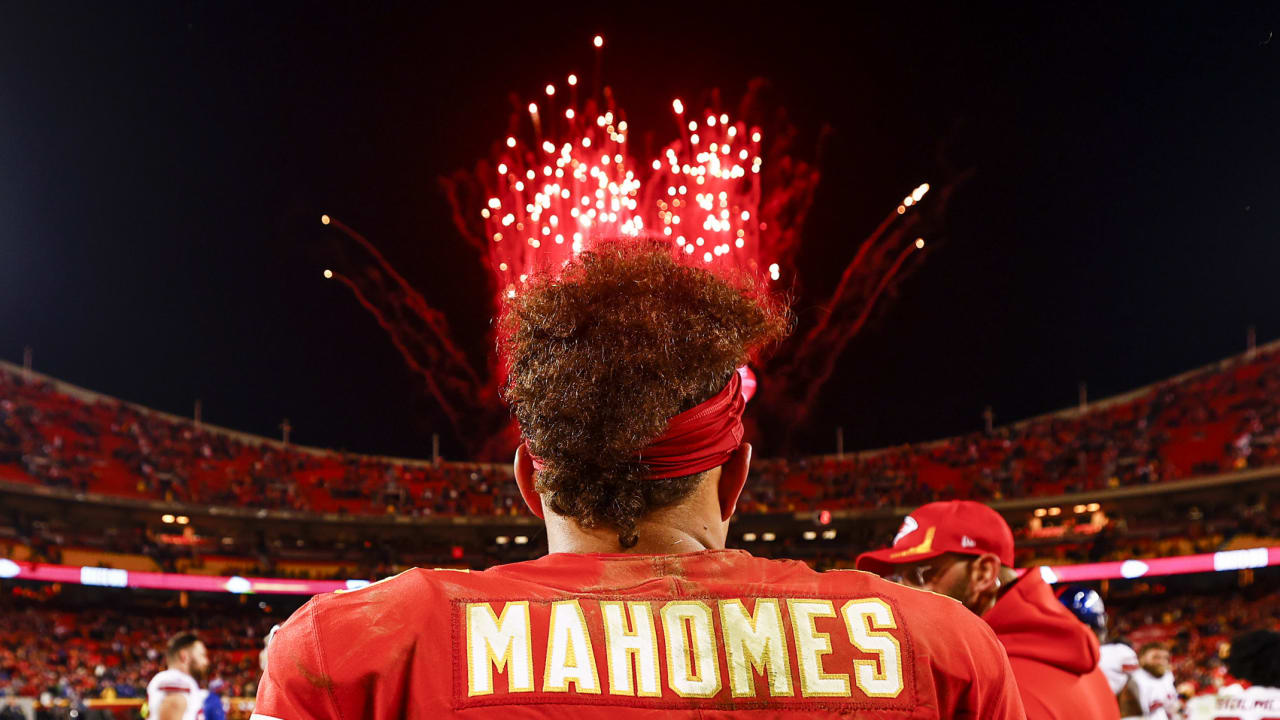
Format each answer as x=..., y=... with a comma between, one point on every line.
x=956, y=526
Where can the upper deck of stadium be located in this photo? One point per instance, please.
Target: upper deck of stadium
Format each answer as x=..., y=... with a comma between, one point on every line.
x=1218, y=420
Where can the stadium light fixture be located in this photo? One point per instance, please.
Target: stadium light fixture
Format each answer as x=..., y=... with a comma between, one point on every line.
x=183, y=519
x=1041, y=512
x=1055, y=511
x=748, y=537
x=522, y=539
x=829, y=534
x=810, y=535
x=1079, y=509
x=167, y=519
x=1094, y=507
x=502, y=539
x=768, y=537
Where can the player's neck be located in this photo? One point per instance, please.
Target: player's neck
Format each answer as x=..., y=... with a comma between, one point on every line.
x=652, y=541
x=671, y=530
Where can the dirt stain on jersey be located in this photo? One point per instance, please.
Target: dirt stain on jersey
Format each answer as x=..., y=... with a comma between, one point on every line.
x=668, y=566
x=321, y=681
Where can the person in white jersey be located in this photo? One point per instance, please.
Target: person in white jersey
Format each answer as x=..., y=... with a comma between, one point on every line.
x=1254, y=660
x=174, y=693
x=1150, y=694
x=1118, y=661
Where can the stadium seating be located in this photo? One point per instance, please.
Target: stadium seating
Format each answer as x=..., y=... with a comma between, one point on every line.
x=1217, y=419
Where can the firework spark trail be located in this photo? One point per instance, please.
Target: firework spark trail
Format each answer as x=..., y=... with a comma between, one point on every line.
x=821, y=364
x=789, y=182
x=453, y=187
x=783, y=210
x=432, y=318
x=845, y=292
x=395, y=331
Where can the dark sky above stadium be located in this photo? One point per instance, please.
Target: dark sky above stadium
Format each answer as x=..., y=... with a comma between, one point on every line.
x=163, y=167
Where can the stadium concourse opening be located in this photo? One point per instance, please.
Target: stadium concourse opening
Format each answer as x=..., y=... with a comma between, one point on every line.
x=243, y=528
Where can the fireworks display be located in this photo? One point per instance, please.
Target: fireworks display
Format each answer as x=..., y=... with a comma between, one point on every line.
x=564, y=176
x=573, y=180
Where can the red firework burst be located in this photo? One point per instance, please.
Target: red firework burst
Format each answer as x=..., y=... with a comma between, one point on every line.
x=564, y=177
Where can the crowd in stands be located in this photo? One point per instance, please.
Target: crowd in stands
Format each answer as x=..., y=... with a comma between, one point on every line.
x=1197, y=628
x=108, y=653
x=111, y=447
x=1213, y=421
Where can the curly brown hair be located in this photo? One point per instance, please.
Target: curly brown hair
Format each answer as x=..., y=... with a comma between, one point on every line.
x=600, y=357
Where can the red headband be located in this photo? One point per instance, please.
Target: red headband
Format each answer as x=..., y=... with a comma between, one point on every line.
x=698, y=439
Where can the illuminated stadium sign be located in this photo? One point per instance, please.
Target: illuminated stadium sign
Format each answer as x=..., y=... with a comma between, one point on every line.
x=104, y=577
x=114, y=577
x=1224, y=561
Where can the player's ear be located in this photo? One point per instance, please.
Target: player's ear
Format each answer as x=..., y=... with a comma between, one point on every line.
x=525, y=481
x=733, y=477
x=984, y=573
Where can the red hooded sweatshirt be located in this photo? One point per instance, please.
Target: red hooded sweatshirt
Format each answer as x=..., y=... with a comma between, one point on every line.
x=1054, y=656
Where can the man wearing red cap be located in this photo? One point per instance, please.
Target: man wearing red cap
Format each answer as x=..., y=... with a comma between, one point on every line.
x=623, y=377
x=964, y=550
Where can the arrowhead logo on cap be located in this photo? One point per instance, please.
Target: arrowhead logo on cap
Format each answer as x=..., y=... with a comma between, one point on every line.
x=966, y=541
x=909, y=525
x=925, y=546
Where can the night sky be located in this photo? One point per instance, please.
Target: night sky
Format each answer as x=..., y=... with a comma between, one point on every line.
x=163, y=168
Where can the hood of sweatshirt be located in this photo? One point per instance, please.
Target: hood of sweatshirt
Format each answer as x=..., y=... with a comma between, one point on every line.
x=1032, y=624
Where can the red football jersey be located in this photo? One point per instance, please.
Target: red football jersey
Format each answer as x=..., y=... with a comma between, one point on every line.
x=709, y=634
